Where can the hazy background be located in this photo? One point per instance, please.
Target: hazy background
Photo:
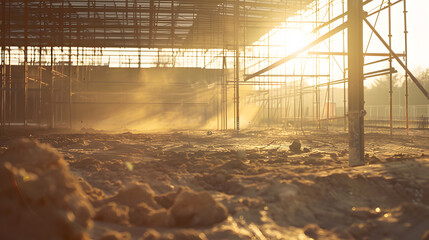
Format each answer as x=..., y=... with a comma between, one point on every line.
x=418, y=24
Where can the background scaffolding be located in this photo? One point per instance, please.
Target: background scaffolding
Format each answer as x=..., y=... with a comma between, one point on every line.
x=260, y=63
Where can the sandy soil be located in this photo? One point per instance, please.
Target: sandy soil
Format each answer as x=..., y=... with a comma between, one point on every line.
x=191, y=185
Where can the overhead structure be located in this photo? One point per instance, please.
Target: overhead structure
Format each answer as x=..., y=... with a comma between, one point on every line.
x=142, y=23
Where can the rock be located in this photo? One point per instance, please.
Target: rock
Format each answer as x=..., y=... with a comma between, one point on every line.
x=166, y=200
x=113, y=235
x=315, y=232
x=312, y=230
x=143, y=215
x=216, y=178
x=136, y=193
x=234, y=164
x=295, y=146
x=374, y=160
x=196, y=209
x=50, y=203
x=113, y=213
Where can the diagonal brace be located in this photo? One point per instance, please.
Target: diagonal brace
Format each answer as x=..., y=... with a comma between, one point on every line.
x=296, y=53
x=419, y=85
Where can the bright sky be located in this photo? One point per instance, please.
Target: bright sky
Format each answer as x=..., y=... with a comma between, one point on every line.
x=418, y=24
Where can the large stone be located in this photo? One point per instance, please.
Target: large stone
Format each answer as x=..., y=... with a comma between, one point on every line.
x=295, y=146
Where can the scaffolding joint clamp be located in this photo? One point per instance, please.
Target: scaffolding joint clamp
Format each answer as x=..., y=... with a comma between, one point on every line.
x=361, y=113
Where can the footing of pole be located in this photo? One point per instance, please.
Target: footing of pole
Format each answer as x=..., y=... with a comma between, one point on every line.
x=356, y=141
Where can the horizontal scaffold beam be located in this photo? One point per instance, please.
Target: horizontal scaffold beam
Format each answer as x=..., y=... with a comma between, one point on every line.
x=296, y=53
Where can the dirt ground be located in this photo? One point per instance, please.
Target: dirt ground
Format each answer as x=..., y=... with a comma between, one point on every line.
x=219, y=185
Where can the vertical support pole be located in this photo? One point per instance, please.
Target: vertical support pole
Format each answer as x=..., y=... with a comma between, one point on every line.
x=51, y=75
x=9, y=88
x=39, y=111
x=406, y=64
x=25, y=64
x=344, y=70
x=244, y=27
x=237, y=64
x=70, y=84
x=268, y=84
x=301, y=99
x=328, y=89
x=390, y=66
x=39, y=104
x=139, y=32
x=317, y=89
x=51, y=95
x=355, y=76
x=294, y=94
x=224, y=92
x=3, y=68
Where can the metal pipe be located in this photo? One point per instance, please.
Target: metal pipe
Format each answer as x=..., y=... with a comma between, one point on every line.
x=355, y=90
x=237, y=63
x=406, y=65
x=25, y=86
x=3, y=68
x=390, y=66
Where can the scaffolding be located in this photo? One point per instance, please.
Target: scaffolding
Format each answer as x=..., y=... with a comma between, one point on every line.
x=251, y=51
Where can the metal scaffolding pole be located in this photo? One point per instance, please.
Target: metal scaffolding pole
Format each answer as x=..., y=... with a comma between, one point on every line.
x=390, y=66
x=3, y=68
x=406, y=64
x=344, y=71
x=237, y=64
x=51, y=92
x=25, y=86
x=356, y=78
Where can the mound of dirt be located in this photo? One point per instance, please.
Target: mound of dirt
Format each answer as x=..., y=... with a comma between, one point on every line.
x=197, y=209
x=94, y=194
x=111, y=212
x=88, y=164
x=234, y=164
x=166, y=200
x=143, y=215
x=182, y=208
x=220, y=180
x=38, y=194
x=136, y=193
